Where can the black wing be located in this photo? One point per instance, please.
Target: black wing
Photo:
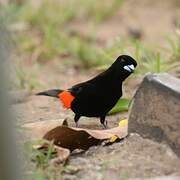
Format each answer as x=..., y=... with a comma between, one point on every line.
x=92, y=86
x=83, y=89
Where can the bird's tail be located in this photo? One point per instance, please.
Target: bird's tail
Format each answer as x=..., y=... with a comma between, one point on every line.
x=51, y=92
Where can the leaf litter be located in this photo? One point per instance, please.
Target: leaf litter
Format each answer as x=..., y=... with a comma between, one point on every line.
x=67, y=139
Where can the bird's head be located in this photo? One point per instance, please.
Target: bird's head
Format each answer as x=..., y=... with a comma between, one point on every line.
x=124, y=65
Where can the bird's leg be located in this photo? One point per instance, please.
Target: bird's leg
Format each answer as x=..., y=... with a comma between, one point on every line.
x=103, y=121
x=76, y=118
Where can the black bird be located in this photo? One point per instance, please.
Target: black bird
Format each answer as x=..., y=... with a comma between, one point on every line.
x=97, y=96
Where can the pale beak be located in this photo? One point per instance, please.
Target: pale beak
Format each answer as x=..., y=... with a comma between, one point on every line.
x=129, y=68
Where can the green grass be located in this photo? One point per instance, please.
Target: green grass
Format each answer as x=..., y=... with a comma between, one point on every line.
x=45, y=35
x=154, y=60
x=174, y=44
x=38, y=162
x=26, y=79
x=47, y=25
x=86, y=54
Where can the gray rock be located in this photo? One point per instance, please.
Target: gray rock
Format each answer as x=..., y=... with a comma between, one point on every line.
x=155, y=109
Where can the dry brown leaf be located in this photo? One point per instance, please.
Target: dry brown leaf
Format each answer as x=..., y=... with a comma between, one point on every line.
x=37, y=130
x=75, y=138
x=62, y=155
x=71, y=138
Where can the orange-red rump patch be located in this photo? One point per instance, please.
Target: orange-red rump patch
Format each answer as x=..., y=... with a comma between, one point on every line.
x=66, y=98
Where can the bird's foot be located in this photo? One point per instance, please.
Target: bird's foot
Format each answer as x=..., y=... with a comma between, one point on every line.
x=77, y=124
x=105, y=126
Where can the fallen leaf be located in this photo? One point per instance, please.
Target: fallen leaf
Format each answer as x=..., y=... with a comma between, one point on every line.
x=122, y=123
x=62, y=155
x=71, y=138
x=113, y=139
x=65, y=122
x=67, y=139
x=36, y=130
